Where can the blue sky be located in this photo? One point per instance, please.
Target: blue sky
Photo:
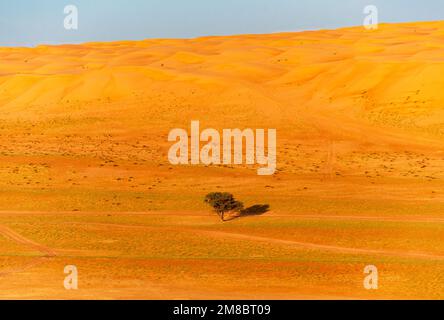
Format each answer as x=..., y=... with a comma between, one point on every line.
x=32, y=22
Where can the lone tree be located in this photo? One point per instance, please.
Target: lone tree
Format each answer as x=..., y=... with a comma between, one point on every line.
x=223, y=202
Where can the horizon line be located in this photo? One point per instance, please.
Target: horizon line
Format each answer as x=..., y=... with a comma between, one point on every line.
x=43, y=44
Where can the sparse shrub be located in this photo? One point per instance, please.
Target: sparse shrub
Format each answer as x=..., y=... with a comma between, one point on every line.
x=223, y=202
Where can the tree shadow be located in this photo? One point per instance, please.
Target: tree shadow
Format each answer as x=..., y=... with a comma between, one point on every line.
x=256, y=210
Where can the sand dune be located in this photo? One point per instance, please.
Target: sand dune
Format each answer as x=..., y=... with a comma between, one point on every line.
x=389, y=78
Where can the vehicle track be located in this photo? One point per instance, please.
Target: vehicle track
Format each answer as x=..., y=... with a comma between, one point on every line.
x=17, y=238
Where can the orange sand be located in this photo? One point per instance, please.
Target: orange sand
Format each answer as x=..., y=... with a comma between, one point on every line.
x=85, y=178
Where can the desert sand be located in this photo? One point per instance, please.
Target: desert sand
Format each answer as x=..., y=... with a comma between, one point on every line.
x=85, y=178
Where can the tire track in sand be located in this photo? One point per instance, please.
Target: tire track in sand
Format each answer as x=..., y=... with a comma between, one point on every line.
x=331, y=248
x=14, y=236
x=306, y=245
x=17, y=238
